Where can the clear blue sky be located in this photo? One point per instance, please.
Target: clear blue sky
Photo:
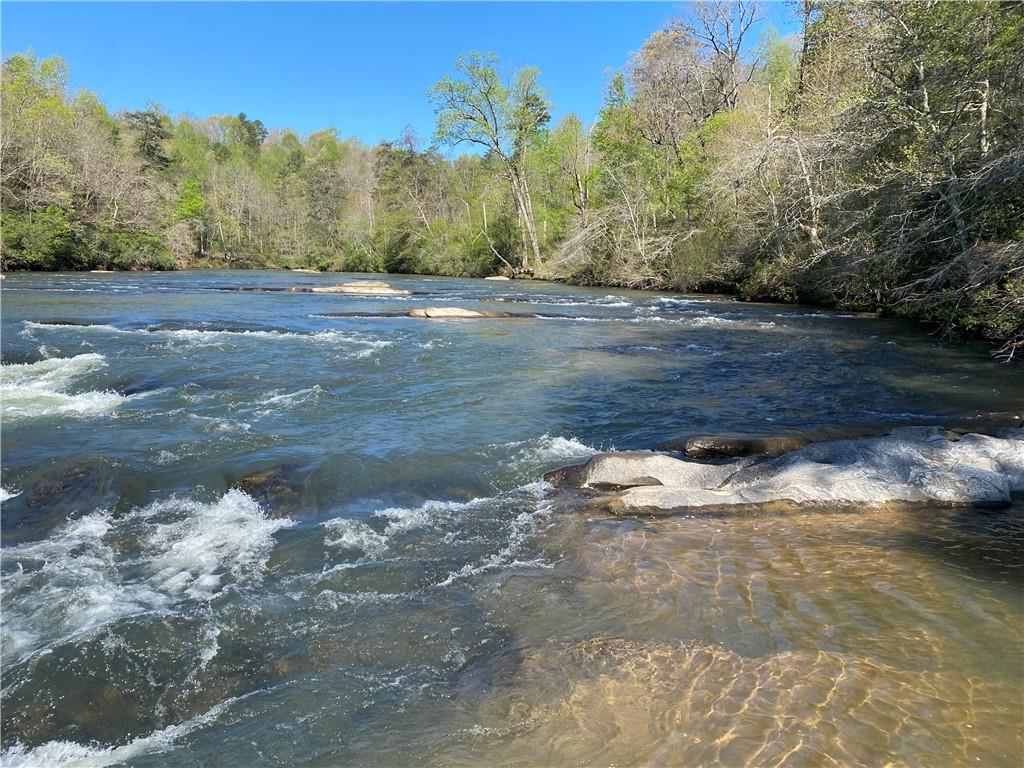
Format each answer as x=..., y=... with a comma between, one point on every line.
x=363, y=68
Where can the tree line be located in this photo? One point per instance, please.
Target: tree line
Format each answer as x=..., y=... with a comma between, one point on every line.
x=874, y=160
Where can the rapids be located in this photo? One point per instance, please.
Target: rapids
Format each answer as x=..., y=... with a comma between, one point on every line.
x=260, y=527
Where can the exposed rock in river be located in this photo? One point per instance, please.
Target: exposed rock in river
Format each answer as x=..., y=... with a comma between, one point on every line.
x=497, y=277
x=913, y=464
x=279, y=488
x=455, y=312
x=627, y=469
x=721, y=447
x=363, y=287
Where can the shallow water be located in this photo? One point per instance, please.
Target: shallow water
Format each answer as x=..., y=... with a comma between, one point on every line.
x=399, y=586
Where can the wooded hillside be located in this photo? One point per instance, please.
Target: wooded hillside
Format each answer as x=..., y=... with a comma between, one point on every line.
x=874, y=161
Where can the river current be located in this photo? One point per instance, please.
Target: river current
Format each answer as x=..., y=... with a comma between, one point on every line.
x=258, y=528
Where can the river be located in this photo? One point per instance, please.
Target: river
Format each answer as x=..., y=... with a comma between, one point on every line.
x=396, y=584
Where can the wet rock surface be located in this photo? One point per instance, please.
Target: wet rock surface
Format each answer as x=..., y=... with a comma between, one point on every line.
x=456, y=313
x=70, y=489
x=717, y=447
x=910, y=465
x=626, y=469
x=277, y=489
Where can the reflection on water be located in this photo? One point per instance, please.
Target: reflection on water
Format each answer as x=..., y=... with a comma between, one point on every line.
x=250, y=528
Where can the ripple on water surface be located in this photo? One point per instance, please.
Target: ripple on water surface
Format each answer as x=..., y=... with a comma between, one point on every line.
x=396, y=585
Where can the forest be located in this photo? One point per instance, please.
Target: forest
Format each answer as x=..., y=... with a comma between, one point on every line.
x=874, y=161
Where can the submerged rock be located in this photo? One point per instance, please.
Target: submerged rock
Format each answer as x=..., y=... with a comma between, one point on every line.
x=363, y=287
x=455, y=312
x=914, y=465
x=722, y=447
x=69, y=490
x=278, y=489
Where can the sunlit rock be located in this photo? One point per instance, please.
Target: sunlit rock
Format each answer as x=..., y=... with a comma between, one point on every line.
x=623, y=469
x=363, y=287
x=455, y=312
x=914, y=465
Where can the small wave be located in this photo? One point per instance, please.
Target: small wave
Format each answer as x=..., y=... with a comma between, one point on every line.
x=563, y=301
x=701, y=321
x=214, y=424
x=6, y=494
x=401, y=519
x=70, y=754
x=38, y=389
x=520, y=530
x=530, y=458
x=279, y=401
x=346, y=533
x=86, y=574
x=199, y=336
x=715, y=321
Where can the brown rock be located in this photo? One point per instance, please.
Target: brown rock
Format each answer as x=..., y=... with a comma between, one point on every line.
x=277, y=488
x=717, y=447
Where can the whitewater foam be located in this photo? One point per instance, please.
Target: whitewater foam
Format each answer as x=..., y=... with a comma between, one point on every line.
x=99, y=569
x=70, y=754
x=346, y=533
x=201, y=336
x=280, y=401
x=30, y=390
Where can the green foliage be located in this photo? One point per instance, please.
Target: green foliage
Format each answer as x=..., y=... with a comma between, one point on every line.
x=119, y=249
x=46, y=240
x=874, y=163
x=191, y=205
x=152, y=130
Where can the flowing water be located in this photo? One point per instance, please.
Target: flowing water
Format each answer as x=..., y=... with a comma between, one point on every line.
x=392, y=582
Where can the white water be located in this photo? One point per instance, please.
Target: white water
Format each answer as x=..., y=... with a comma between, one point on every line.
x=98, y=569
x=41, y=389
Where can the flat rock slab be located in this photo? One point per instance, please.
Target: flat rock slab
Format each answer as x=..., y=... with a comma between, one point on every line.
x=456, y=313
x=497, y=277
x=910, y=465
x=363, y=287
x=627, y=469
